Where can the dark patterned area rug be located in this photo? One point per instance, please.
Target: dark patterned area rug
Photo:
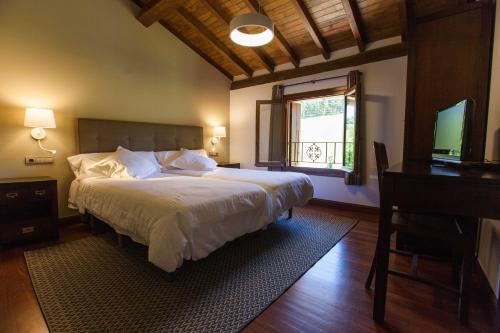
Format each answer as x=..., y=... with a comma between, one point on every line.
x=92, y=285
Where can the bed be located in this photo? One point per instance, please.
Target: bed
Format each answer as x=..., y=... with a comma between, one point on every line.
x=178, y=218
x=286, y=189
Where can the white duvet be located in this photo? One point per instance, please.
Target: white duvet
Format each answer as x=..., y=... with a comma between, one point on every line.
x=176, y=217
x=286, y=189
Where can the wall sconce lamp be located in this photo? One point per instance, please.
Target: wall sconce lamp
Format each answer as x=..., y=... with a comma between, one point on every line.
x=219, y=132
x=39, y=119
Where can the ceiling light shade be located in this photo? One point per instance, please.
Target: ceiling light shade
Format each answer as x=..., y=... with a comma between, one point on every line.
x=251, y=20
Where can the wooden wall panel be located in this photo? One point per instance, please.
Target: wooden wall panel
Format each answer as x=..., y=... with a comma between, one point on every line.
x=449, y=60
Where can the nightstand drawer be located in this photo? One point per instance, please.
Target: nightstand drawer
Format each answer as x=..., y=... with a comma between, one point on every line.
x=12, y=193
x=22, y=230
x=39, y=192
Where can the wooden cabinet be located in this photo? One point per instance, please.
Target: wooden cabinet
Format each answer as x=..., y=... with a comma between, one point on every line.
x=28, y=209
x=449, y=60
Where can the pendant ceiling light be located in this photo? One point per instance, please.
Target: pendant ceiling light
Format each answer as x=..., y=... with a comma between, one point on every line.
x=261, y=23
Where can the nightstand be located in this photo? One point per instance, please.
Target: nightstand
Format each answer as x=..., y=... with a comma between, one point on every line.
x=229, y=165
x=28, y=209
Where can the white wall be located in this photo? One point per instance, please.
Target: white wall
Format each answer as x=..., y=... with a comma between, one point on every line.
x=94, y=59
x=383, y=118
x=489, y=251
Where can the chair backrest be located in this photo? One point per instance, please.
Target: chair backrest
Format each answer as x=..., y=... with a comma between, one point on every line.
x=382, y=161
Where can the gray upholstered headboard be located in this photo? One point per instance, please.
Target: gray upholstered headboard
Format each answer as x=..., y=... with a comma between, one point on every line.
x=97, y=135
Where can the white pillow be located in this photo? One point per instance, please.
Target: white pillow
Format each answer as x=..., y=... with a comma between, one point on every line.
x=124, y=163
x=149, y=155
x=80, y=168
x=192, y=161
x=166, y=157
x=75, y=162
x=201, y=152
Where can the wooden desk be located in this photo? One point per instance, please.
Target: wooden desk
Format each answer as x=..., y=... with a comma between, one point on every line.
x=472, y=193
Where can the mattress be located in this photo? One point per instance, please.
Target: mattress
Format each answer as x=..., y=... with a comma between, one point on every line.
x=178, y=217
x=286, y=189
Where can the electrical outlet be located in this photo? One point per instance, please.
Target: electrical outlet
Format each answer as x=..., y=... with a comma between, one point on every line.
x=30, y=160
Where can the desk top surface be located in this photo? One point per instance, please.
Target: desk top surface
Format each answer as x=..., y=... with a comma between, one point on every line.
x=423, y=169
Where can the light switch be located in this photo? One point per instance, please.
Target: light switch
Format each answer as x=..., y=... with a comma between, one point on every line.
x=30, y=160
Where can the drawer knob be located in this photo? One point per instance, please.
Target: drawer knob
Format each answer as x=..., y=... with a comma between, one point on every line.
x=40, y=192
x=28, y=230
x=12, y=195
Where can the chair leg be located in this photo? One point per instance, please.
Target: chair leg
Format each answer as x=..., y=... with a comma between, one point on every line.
x=369, y=280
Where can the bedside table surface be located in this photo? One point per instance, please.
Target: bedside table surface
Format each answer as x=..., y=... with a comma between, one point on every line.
x=228, y=165
x=25, y=180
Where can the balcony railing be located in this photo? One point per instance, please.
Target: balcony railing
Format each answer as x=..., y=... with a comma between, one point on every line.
x=324, y=154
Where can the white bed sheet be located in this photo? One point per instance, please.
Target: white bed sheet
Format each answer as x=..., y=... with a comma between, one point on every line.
x=176, y=217
x=286, y=189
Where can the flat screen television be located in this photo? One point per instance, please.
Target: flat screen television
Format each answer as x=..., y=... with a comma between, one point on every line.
x=452, y=133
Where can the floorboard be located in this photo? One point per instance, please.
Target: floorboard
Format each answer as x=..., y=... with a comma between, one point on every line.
x=330, y=297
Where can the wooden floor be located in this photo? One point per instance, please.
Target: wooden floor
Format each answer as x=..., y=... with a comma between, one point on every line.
x=330, y=297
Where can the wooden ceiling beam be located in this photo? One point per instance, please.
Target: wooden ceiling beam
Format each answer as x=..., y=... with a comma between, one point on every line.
x=379, y=54
x=155, y=10
x=265, y=61
x=201, y=29
x=355, y=22
x=403, y=19
x=283, y=45
x=312, y=28
x=186, y=41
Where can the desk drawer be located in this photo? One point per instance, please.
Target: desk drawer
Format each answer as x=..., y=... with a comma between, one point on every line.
x=448, y=198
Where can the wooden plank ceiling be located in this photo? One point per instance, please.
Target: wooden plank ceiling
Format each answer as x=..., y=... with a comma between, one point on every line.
x=303, y=28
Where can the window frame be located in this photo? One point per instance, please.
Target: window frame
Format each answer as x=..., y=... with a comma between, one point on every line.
x=287, y=100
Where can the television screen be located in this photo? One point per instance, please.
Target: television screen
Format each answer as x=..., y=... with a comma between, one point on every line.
x=450, y=132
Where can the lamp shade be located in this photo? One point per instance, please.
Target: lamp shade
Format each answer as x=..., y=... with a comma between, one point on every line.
x=43, y=118
x=219, y=132
x=251, y=20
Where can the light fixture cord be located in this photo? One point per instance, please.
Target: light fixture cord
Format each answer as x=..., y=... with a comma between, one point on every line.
x=45, y=149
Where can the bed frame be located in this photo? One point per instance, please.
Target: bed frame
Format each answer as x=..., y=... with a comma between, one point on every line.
x=98, y=135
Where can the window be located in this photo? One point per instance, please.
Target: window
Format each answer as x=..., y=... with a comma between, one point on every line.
x=315, y=132
x=316, y=127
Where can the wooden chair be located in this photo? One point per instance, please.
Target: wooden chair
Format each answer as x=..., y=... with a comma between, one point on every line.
x=442, y=228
